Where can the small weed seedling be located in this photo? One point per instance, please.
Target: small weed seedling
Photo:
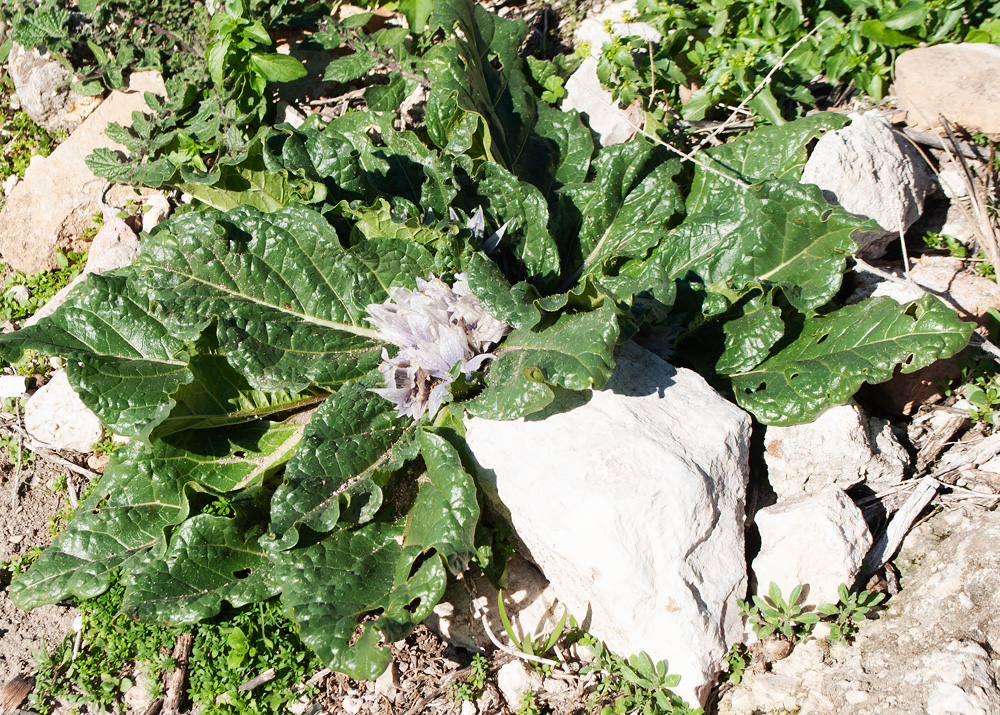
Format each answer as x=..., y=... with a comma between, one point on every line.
x=17, y=565
x=529, y=704
x=737, y=661
x=943, y=243
x=472, y=687
x=636, y=685
x=774, y=614
x=528, y=645
x=851, y=610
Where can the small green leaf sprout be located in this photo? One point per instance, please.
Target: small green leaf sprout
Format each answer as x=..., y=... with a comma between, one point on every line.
x=849, y=612
x=774, y=614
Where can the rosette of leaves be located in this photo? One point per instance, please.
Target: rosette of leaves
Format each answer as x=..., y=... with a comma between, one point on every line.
x=236, y=355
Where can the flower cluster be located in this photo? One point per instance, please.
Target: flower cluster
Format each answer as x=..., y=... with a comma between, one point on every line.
x=436, y=328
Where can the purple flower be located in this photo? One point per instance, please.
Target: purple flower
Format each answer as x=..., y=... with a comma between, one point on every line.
x=435, y=328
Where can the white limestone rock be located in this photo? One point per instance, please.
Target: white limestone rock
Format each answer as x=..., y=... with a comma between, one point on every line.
x=59, y=194
x=57, y=417
x=42, y=86
x=840, y=448
x=13, y=386
x=633, y=507
x=871, y=173
x=819, y=540
x=155, y=211
x=514, y=679
x=584, y=92
x=114, y=246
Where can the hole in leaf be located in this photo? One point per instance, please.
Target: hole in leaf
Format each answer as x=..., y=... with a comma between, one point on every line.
x=822, y=337
x=239, y=454
x=412, y=606
x=826, y=214
x=419, y=561
x=793, y=376
x=242, y=574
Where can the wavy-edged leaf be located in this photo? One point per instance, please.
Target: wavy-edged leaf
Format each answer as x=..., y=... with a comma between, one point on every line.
x=777, y=233
x=464, y=78
x=289, y=301
x=251, y=182
x=121, y=358
x=623, y=212
x=574, y=147
x=835, y=353
x=763, y=154
x=514, y=305
x=144, y=491
x=350, y=67
x=327, y=587
x=210, y=559
x=527, y=250
x=218, y=395
x=353, y=436
x=572, y=351
x=445, y=513
x=751, y=335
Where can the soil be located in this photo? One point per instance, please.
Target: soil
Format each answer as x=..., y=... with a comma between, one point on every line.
x=25, y=525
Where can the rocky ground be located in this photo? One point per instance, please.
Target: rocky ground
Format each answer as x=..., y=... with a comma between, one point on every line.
x=896, y=491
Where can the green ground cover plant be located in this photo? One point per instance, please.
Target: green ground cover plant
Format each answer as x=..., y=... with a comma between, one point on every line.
x=292, y=357
x=724, y=49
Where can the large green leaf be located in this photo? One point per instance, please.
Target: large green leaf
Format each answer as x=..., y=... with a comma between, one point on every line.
x=765, y=153
x=251, y=182
x=329, y=586
x=558, y=151
x=568, y=351
x=144, y=491
x=210, y=559
x=751, y=335
x=835, y=353
x=464, y=78
x=289, y=301
x=218, y=395
x=526, y=249
x=513, y=305
x=351, y=437
x=121, y=358
x=445, y=513
x=623, y=212
x=779, y=233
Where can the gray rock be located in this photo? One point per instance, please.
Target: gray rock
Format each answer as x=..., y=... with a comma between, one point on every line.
x=514, y=679
x=42, y=86
x=633, y=507
x=819, y=541
x=584, y=92
x=958, y=81
x=928, y=653
x=840, y=448
x=114, y=246
x=59, y=194
x=57, y=417
x=871, y=173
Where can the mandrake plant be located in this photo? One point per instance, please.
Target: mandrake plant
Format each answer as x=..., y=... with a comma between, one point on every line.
x=253, y=353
